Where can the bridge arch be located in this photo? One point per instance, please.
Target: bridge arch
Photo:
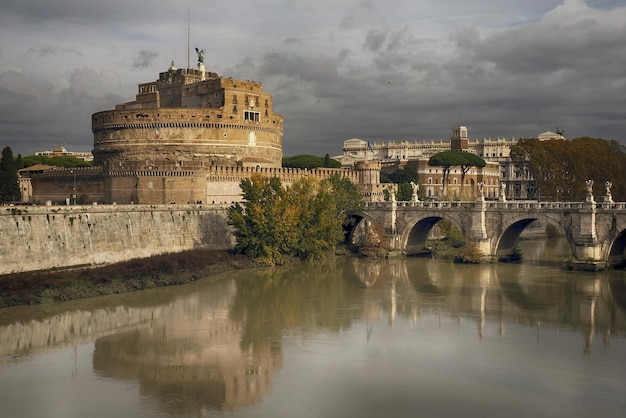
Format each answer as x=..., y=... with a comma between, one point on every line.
x=616, y=256
x=414, y=236
x=363, y=225
x=505, y=245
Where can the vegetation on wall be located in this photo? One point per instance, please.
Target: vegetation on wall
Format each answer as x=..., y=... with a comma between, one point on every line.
x=304, y=220
x=60, y=161
x=310, y=162
x=9, y=187
x=561, y=167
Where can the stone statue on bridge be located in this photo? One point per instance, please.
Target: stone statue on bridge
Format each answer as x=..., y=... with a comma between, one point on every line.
x=416, y=189
x=502, y=197
x=392, y=194
x=589, y=187
x=608, y=198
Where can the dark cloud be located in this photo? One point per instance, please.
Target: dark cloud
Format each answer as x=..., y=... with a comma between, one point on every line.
x=144, y=59
x=38, y=115
x=374, y=40
x=53, y=50
x=336, y=69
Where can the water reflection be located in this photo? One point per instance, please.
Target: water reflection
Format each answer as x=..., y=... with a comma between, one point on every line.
x=217, y=347
x=193, y=358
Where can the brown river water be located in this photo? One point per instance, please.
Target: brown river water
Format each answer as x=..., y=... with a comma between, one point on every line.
x=402, y=337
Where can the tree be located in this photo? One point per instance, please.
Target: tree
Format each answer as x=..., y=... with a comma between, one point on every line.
x=257, y=222
x=469, y=160
x=403, y=178
x=19, y=164
x=446, y=160
x=304, y=220
x=9, y=186
x=560, y=167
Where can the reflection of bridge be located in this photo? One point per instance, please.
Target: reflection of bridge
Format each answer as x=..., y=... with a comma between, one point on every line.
x=509, y=294
x=595, y=231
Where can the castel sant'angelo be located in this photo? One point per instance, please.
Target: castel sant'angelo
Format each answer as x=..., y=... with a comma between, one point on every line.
x=189, y=137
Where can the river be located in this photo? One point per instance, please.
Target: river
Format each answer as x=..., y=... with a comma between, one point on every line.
x=350, y=337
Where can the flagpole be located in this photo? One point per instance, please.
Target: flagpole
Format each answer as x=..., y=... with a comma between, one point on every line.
x=188, y=36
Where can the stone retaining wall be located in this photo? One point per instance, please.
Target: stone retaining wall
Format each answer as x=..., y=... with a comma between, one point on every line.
x=46, y=237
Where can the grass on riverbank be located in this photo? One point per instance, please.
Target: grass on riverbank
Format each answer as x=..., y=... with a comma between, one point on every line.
x=165, y=270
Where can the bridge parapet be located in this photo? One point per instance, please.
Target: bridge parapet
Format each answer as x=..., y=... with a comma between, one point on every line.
x=497, y=205
x=595, y=230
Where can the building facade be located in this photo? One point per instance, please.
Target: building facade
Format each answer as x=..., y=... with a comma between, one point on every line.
x=496, y=152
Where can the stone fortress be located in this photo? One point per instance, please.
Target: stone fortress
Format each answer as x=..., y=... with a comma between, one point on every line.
x=191, y=136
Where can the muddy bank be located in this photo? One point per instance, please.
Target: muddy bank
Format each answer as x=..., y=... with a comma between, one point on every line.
x=165, y=270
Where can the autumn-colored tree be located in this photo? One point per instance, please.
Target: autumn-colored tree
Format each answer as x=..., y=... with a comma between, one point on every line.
x=304, y=220
x=256, y=221
x=561, y=167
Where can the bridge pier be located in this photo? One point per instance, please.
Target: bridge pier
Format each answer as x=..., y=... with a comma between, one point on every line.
x=586, y=242
x=478, y=232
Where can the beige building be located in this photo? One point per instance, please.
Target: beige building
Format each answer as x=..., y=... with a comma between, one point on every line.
x=495, y=151
x=61, y=151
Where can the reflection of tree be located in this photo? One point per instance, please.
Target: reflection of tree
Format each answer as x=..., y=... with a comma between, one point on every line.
x=286, y=298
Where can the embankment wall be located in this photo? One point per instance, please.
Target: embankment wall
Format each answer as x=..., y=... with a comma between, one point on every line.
x=47, y=237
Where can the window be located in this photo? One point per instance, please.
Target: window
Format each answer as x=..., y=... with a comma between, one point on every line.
x=253, y=116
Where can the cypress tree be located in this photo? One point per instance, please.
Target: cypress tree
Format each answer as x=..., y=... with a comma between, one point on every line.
x=9, y=187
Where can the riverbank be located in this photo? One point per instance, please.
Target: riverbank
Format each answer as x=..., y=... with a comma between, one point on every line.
x=145, y=273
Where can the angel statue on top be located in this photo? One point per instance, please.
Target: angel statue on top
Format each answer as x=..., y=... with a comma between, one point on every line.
x=200, y=53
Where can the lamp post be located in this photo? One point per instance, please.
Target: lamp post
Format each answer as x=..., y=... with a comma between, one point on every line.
x=74, y=187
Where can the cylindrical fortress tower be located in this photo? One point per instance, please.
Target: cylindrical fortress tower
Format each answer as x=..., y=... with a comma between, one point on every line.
x=191, y=118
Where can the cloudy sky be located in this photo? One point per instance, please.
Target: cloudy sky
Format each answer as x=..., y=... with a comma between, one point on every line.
x=337, y=69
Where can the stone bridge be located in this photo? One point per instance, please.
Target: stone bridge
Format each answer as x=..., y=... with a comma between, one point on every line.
x=595, y=231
